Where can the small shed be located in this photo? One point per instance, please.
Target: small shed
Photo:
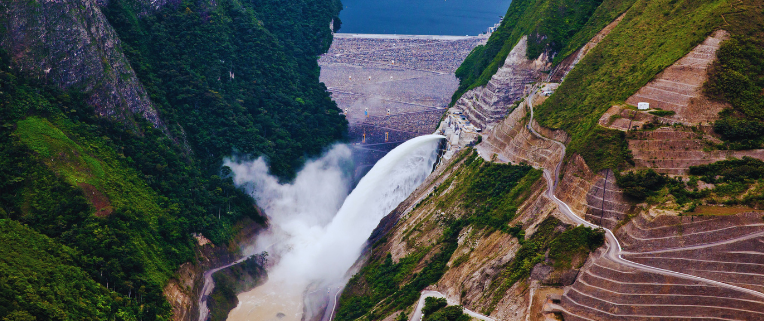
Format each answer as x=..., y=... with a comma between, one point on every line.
x=643, y=106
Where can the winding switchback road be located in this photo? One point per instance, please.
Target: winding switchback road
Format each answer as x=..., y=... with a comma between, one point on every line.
x=209, y=284
x=435, y=294
x=614, y=251
x=614, y=247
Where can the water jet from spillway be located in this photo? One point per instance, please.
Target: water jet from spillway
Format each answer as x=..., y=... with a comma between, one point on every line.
x=310, y=248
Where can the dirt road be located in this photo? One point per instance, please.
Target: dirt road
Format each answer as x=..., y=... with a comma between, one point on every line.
x=417, y=316
x=209, y=285
x=614, y=247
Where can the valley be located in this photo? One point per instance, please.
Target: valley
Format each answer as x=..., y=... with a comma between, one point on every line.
x=227, y=160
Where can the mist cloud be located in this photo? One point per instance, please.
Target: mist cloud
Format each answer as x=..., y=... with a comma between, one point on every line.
x=317, y=228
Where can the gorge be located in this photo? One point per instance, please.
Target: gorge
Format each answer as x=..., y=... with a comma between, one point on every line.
x=242, y=160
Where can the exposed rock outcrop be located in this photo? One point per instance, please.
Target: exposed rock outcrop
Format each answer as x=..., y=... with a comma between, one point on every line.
x=583, y=191
x=512, y=141
x=71, y=45
x=182, y=292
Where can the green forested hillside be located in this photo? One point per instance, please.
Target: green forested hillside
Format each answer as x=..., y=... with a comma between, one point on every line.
x=40, y=278
x=651, y=37
x=552, y=26
x=237, y=76
x=738, y=78
x=115, y=205
x=482, y=198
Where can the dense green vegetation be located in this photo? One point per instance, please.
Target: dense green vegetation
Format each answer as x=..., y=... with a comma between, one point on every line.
x=229, y=282
x=436, y=309
x=239, y=76
x=121, y=202
x=553, y=26
x=732, y=170
x=641, y=184
x=605, y=14
x=493, y=191
x=562, y=246
x=391, y=286
x=644, y=184
x=433, y=304
x=652, y=35
x=738, y=78
x=735, y=182
x=136, y=243
x=608, y=149
x=662, y=113
x=40, y=280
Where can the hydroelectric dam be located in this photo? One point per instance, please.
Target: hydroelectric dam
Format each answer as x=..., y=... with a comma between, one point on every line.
x=393, y=90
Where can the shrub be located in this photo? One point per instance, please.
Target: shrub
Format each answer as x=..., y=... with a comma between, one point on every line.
x=662, y=113
x=451, y=313
x=641, y=184
x=431, y=305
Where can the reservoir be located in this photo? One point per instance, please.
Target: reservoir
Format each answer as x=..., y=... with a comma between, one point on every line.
x=421, y=17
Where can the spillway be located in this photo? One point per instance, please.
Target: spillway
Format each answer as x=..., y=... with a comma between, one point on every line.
x=323, y=253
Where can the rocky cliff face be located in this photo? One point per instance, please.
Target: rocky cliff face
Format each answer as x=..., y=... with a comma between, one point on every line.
x=70, y=45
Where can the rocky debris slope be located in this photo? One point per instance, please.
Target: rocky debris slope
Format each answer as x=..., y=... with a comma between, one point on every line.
x=582, y=190
x=488, y=254
x=484, y=106
x=678, y=88
x=481, y=256
x=71, y=45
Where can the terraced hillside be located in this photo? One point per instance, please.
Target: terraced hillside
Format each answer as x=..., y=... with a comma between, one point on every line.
x=610, y=291
x=678, y=88
x=512, y=142
x=662, y=259
x=672, y=150
x=484, y=106
x=725, y=249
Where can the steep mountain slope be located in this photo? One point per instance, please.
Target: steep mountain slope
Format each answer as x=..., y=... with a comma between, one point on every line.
x=119, y=169
x=72, y=46
x=682, y=246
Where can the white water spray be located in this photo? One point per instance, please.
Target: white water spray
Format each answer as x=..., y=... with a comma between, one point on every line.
x=311, y=244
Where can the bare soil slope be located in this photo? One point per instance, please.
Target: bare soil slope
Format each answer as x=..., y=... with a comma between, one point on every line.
x=679, y=87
